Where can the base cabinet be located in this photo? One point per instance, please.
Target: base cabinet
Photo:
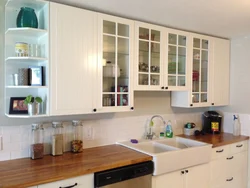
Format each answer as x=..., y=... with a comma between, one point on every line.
x=229, y=166
x=193, y=177
x=86, y=181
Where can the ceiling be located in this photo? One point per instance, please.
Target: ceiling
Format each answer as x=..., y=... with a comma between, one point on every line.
x=223, y=18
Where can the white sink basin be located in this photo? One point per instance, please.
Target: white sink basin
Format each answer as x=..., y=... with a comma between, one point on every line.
x=172, y=154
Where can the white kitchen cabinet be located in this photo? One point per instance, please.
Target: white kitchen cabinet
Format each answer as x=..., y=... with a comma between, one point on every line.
x=14, y=62
x=73, y=44
x=85, y=181
x=221, y=72
x=209, y=78
x=193, y=177
x=229, y=166
x=115, y=64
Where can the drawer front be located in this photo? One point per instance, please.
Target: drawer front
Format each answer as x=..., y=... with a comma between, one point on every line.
x=238, y=147
x=220, y=152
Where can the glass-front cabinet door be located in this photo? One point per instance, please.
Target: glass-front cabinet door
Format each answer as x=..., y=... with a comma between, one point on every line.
x=115, y=63
x=148, y=57
x=200, y=71
x=177, y=62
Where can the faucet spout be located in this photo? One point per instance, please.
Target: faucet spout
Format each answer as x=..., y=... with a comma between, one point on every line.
x=150, y=133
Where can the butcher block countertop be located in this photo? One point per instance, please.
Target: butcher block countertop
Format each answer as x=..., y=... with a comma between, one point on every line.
x=21, y=173
x=217, y=139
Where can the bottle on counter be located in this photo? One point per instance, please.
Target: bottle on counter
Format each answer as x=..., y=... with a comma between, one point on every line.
x=37, y=141
x=77, y=142
x=169, y=130
x=236, y=125
x=57, y=139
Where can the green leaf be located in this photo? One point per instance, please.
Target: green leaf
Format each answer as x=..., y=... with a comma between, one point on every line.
x=28, y=99
x=38, y=100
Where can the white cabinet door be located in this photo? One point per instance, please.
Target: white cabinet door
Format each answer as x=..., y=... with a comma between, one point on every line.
x=171, y=180
x=86, y=181
x=73, y=59
x=220, y=82
x=198, y=176
x=219, y=172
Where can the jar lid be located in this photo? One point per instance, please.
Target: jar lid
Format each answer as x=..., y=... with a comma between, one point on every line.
x=57, y=124
x=36, y=126
x=77, y=123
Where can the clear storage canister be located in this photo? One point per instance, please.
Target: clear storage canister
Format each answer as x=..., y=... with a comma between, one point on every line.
x=77, y=142
x=57, y=139
x=37, y=141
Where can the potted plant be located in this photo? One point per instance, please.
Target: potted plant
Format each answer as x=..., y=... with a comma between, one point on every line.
x=33, y=104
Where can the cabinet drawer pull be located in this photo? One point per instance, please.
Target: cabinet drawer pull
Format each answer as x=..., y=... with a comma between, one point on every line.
x=219, y=151
x=230, y=179
x=239, y=146
x=229, y=158
x=70, y=186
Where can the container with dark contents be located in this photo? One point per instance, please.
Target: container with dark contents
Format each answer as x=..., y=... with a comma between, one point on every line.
x=57, y=139
x=37, y=142
x=77, y=143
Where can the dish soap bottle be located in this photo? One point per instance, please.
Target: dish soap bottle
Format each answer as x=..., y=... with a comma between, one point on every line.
x=236, y=126
x=169, y=130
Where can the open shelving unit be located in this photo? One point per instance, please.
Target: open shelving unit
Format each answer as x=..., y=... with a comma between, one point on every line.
x=39, y=36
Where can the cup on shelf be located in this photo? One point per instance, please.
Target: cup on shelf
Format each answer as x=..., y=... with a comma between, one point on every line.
x=35, y=50
x=21, y=49
x=15, y=79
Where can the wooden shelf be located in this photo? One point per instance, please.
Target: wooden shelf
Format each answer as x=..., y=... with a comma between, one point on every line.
x=25, y=116
x=26, y=31
x=27, y=87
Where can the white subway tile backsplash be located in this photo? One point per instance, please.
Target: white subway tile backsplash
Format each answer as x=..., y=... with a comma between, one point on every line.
x=17, y=139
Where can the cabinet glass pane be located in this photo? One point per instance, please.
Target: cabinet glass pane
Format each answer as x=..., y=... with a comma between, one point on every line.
x=143, y=56
x=197, y=43
x=182, y=40
x=172, y=38
x=155, y=35
x=143, y=33
x=172, y=58
x=204, y=44
x=109, y=66
x=155, y=80
x=204, y=71
x=203, y=97
x=171, y=80
x=195, y=98
x=181, y=81
x=108, y=100
x=123, y=64
x=182, y=60
x=123, y=30
x=122, y=100
x=109, y=27
x=143, y=79
x=155, y=58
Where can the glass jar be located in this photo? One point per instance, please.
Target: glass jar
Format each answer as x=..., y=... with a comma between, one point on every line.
x=77, y=142
x=57, y=139
x=37, y=141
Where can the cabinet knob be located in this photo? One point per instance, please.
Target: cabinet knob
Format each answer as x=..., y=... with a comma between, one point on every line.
x=186, y=171
x=132, y=108
x=94, y=110
x=166, y=87
x=212, y=103
x=162, y=87
x=70, y=186
x=191, y=104
x=230, y=179
x=182, y=172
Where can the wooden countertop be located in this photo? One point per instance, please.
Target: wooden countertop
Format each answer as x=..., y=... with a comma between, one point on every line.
x=21, y=173
x=217, y=139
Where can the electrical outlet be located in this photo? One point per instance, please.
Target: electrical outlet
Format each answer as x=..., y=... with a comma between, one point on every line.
x=89, y=133
x=1, y=142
